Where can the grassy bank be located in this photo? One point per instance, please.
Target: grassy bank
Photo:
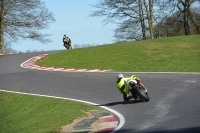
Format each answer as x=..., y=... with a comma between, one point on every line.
x=172, y=54
x=27, y=114
x=24, y=113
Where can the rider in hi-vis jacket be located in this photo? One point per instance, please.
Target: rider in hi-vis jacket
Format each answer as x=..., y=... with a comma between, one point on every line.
x=125, y=85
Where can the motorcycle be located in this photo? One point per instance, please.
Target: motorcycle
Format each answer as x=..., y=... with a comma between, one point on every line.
x=139, y=91
x=67, y=45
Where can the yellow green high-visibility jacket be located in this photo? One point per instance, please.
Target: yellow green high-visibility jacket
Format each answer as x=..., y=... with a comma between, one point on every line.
x=122, y=85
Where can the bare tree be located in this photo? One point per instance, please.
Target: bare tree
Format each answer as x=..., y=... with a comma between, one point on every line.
x=142, y=19
x=133, y=28
x=23, y=19
x=170, y=26
x=134, y=17
x=174, y=25
x=2, y=27
x=184, y=6
x=149, y=12
x=194, y=16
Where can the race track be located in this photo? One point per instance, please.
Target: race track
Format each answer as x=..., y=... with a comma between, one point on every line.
x=174, y=106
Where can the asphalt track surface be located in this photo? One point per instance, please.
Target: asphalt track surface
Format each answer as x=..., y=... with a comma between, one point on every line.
x=174, y=106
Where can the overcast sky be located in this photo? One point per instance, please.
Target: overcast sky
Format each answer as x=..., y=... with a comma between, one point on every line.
x=72, y=18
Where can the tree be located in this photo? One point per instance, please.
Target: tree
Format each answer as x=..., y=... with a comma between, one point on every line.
x=185, y=10
x=184, y=7
x=23, y=19
x=179, y=22
x=2, y=27
x=149, y=12
x=194, y=16
x=174, y=25
x=170, y=26
x=133, y=28
x=134, y=17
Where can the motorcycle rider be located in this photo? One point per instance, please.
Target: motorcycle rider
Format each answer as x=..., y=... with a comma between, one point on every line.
x=126, y=84
x=66, y=41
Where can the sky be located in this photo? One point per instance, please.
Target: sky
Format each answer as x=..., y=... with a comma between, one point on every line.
x=73, y=19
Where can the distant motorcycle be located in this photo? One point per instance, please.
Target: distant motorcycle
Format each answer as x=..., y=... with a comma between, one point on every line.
x=67, y=45
x=139, y=91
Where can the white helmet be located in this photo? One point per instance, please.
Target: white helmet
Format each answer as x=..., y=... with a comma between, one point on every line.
x=119, y=76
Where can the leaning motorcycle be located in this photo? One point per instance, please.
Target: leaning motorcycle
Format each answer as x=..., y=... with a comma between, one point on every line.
x=139, y=91
x=67, y=45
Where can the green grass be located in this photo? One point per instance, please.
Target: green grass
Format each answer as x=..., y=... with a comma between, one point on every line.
x=172, y=54
x=27, y=114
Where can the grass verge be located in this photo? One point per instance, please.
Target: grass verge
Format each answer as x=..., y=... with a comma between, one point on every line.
x=24, y=113
x=171, y=54
x=21, y=113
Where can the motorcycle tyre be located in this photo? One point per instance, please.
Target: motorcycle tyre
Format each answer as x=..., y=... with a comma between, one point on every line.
x=69, y=47
x=141, y=94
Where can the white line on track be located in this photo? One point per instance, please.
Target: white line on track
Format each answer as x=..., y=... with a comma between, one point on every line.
x=120, y=117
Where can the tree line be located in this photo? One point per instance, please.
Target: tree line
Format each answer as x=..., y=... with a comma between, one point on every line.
x=136, y=19
x=144, y=19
